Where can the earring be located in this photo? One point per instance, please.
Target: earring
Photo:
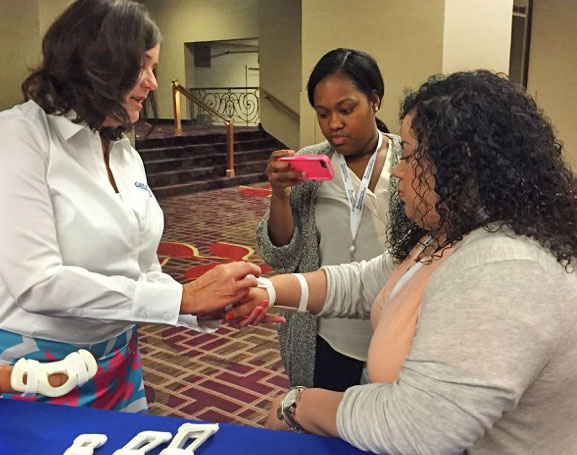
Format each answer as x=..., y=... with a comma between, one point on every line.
x=376, y=108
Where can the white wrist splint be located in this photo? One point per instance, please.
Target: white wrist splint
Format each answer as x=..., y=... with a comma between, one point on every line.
x=266, y=283
x=86, y=443
x=79, y=367
x=144, y=442
x=200, y=432
x=304, y=300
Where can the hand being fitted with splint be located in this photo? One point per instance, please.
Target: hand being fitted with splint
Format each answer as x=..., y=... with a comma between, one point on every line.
x=53, y=379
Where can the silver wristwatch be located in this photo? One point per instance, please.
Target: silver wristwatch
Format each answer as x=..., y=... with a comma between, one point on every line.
x=287, y=407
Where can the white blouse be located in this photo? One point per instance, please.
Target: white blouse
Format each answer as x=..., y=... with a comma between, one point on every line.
x=78, y=261
x=351, y=337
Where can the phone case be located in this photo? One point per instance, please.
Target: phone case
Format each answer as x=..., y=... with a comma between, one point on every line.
x=317, y=167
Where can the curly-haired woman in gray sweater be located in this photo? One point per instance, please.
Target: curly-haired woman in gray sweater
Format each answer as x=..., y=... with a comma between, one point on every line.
x=475, y=332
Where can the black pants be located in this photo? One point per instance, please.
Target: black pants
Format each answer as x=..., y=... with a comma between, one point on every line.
x=335, y=371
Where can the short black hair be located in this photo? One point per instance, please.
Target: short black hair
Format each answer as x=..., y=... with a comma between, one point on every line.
x=496, y=161
x=92, y=56
x=355, y=65
x=358, y=66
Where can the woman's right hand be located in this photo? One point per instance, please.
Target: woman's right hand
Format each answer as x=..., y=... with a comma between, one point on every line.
x=221, y=286
x=280, y=174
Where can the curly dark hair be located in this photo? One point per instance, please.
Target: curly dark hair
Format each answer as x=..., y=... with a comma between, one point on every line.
x=92, y=56
x=496, y=162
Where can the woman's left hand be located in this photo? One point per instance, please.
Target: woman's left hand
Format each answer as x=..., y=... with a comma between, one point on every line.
x=272, y=421
x=242, y=315
x=250, y=309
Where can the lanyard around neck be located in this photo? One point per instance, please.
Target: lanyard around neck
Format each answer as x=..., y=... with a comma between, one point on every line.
x=357, y=202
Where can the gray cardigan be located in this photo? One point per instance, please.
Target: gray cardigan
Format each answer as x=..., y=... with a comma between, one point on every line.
x=297, y=338
x=493, y=364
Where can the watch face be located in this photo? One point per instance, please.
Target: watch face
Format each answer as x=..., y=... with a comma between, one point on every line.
x=290, y=397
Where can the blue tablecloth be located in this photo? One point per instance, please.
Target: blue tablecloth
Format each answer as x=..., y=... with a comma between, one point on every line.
x=43, y=429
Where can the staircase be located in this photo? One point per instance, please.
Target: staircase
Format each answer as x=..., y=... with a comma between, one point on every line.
x=192, y=163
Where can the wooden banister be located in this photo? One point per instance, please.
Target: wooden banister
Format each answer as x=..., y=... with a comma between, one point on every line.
x=177, y=90
x=274, y=100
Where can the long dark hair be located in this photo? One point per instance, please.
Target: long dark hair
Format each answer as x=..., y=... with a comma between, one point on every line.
x=495, y=159
x=92, y=56
x=358, y=66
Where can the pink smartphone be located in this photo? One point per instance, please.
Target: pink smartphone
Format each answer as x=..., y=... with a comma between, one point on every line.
x=317, y=167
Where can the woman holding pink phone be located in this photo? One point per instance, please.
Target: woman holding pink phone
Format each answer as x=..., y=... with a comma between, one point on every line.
x=316, y=222
x=314, y=167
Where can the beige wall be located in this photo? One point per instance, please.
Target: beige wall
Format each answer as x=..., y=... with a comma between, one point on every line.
x=227, y=70
x=280, y=67
x=552, y=75
x=410, y=39
x=22, y=24
x=48, y=11
x=19, y=47
x=477, y=34
x=187, y=21
x=405, y=37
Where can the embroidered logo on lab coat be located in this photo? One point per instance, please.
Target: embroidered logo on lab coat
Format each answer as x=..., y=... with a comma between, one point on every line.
x=143, y=186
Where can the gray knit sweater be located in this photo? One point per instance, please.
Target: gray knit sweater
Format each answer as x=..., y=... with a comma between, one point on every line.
x=297, y=338
x=493, y=365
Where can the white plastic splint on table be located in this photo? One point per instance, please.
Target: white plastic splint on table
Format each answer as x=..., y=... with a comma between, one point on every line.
x=144, y=442
x=85, y=444
x=200, y=432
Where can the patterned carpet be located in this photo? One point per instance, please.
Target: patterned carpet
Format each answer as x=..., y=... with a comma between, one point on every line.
x=227, y=376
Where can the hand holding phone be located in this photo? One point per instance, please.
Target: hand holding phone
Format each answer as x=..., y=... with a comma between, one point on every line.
x=316, y=167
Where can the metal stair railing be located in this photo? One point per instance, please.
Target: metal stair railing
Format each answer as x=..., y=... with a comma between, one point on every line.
x=239, y=103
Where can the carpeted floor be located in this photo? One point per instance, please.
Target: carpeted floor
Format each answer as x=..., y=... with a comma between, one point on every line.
x=228, y=376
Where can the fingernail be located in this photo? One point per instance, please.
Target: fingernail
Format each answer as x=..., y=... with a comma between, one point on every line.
x=229, y=316
x=258, y=309
x=264, y=304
